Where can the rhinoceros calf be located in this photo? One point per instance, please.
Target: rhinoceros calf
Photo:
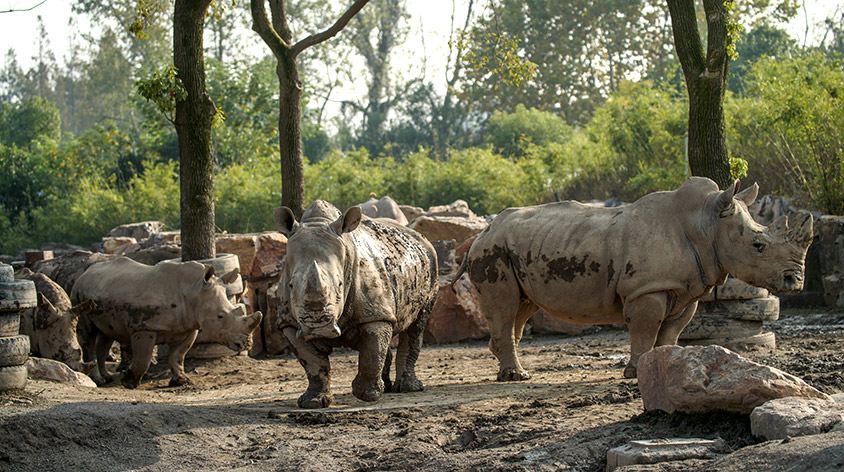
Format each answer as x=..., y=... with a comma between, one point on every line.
x=645, y=264
x=352, y=281
x=167, y=303
x=51, y=325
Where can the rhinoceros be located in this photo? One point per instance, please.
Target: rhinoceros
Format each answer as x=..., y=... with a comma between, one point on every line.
x=353, y=281
x=167, y=303
x=645, y=264
x=384, y=207
x=51, y=325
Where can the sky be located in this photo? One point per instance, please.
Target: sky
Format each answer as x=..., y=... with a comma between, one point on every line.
x=430, y=20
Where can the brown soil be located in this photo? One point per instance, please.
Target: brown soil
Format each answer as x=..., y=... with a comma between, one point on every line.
x=241, y=413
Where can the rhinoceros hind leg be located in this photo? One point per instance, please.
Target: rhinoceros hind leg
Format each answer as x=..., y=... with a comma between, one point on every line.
x=644, y=316
x=103, y=346
x=505, y=335
x=373, y=343
x=176, y=359
x=143, y=343
x=317, y=368
x=671, y=328
x=385, y=374
x=410, y=345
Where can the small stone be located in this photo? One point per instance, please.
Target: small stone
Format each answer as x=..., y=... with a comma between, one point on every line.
x=652, y=451
x=711, y=378
x=47, y=369
x=795, y=416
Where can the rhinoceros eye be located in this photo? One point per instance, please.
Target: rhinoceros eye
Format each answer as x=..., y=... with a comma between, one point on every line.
x=760, y=246
x=341, y=283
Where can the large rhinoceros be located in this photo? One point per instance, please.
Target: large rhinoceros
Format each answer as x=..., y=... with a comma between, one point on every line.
x=167, y=303
x=352, y=281
x=645, y=264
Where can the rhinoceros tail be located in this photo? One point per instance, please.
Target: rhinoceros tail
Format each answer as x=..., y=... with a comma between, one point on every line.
x=460, y=271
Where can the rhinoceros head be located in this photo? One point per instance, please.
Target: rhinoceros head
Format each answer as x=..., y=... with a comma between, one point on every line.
x=315, y=268
x=57, y=333
x=220, y=320
x=766, y=256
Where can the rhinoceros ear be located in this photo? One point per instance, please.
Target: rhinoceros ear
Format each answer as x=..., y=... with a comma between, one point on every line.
x=285, y=220
x=802, y=232
x=82, y=308
x=349, y=221
x=748, y=195
x=48, y=314
x=725, y=206
x=779, y=226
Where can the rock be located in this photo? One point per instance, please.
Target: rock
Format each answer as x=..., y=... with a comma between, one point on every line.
x=47, y=369
x=162, y=237
x=448, y=227
x=705, y=326
x=445, y=256
x=760, y=309
x=833, y=290
x=830, y=240
x=155, y=254
x=31, y=257
x=271, y=248
x=241, y=245
x=816, y=453
x=543, y=323
x=138, y=231
x=456, y=316
x=795, y=416
x=711, y=378
x=735, y=289
x=457, y=208
x=765, y=341
x=127, y=249
x=652, y=451
x=111, y=245
x=411, y=212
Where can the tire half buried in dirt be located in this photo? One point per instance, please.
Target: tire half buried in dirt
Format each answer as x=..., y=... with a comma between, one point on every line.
x=765, y=341
x=14, y=350
x=13, y=377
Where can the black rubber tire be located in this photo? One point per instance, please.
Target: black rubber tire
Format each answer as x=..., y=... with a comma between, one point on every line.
x=17, y=295
x=13, y=378
x=10, y=323
x=14, y=350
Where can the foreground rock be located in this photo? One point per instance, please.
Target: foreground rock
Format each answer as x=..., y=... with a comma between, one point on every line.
x=653, y=451
x=39, y=368
x=456, y=315
x=795, y=416
x=711, y=378
x=817, y=453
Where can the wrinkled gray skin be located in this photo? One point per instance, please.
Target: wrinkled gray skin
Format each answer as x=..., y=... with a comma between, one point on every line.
x=51, y=325
x=353, y=281
x=384, y=207
x=645, y=264
x=168, y=303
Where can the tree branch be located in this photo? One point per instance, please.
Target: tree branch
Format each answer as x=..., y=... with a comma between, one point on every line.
x=716, y=36
x=686, y=36
x=330, y=32
x=33, y=7
x=279, y=15
x=261, y=25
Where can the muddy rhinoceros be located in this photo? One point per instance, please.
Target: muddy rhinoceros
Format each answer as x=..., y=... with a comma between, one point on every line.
x=167, y=303
x=51, y=325
x=644, y=264
x=353, y=281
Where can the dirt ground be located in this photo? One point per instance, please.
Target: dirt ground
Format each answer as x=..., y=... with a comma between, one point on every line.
x=241, y=413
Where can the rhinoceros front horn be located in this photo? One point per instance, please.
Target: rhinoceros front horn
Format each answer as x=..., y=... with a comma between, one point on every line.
x=725, y=206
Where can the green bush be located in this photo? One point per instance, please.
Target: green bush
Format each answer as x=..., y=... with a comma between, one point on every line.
x=510, y=133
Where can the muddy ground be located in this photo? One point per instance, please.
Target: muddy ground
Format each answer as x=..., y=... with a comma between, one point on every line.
x=241, y=413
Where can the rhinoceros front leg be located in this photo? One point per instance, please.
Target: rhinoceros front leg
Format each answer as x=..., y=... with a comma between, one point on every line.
x=644, y=316
x=143, y=343
x=671, y=328
x=410, y=344
x=176, y=359
x=372, y=344
x=317, y=368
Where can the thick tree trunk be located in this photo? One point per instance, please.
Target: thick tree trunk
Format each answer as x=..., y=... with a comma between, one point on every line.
x=706, y=76
x=193, y=127
x=290, y=134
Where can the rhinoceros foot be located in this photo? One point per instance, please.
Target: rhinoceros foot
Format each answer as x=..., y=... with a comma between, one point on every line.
x=313, y=400
x=629, y=372
x=407, y=384
x=512, y=374
x=129, y=381
x=367, y=390
x=180, y=381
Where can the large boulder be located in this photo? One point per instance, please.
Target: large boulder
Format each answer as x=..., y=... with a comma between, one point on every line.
x=411, y=212
x=456, y=315
x=711, y=378
x=458, y=228
x=116, y=244
x=39, y=368
x=139, y=231
x=795, y=416
x=271, y=248
x=241, y=245
x=457, y=208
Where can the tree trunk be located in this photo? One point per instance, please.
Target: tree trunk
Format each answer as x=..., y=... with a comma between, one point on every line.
x=705, y=77
x=290, y=134
x=193, y=127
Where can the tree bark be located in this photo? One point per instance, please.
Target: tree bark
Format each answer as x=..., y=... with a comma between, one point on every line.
x=705, y=78
x=193, y=127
